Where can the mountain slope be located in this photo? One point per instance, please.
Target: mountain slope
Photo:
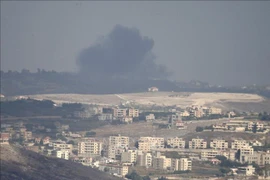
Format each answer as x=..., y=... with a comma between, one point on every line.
x=21, y=164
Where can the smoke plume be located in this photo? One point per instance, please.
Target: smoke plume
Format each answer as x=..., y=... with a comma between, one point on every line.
x=124, y=52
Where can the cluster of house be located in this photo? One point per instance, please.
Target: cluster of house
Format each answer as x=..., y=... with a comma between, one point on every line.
x=117, y=153
x=241, y=126
x=125, y=115
x=201, y=111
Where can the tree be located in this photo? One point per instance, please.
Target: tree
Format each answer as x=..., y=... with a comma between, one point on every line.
x=106, y=169
x=134, y=176
x=90, y=134
x=146, y=178
x=237, y=155
x=224, y=170
x=254, y=128
x=71, y=142
x=199, y=129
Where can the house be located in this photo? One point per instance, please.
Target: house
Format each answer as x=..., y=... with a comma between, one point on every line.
x=4, y=138
x=150, y=117
x=127, y=119
x=153, y=89
x=115, y=169
x=63, y=154
x=46, y=140
x=246, y=171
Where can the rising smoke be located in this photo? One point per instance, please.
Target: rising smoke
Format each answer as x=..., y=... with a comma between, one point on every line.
x=124, y=52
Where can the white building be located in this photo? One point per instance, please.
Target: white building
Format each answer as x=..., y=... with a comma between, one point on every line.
x=133, y=112
x=63, y=154
x=176, y=142
x=130, y=156
x=89, y=147
x=105, y=117
x=150, y=117
x=182, y=164
x=246, y=171
x=153, y=89
x=114, y=169
x=219, y=144
x=144, y=159
x=197, y=143
x=238, y=144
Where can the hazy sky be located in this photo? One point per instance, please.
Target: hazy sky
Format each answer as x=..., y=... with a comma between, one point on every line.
x=221, y=42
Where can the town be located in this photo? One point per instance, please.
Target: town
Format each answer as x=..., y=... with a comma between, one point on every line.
x=154, y=156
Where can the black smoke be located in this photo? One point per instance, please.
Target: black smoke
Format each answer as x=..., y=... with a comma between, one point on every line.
x=124, y=52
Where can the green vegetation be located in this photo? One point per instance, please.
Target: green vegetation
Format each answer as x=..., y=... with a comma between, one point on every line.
x=135, y=176
x=31, y=107
x=181, y=172
x=90, y=134
x=264, y=116
x=199, y=129
x=225, y=163
x=172, y=154
x=224, y=171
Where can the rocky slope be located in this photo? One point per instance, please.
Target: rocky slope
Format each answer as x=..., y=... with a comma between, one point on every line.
x=21, y=164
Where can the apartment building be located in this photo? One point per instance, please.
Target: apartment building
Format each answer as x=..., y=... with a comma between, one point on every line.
x=260, y=158
x=89, y=148
x=119, y=141
x=246, y=150
x=26, y=135
x=182, y=164
x=144, y=159
x=259, y=125
x=209, y=153
x=144, y=146
x=86, y=161
x=214, y=110
x=130, y=156
x=115, y=152
x=117, y=145
x=63, y=154
x=63, y=147
x=219, y=144
x=119, y=112
x=197, y=143
x=150, y=143
x=133, y=112
x=176, y=142
x=238, y=144
x=161, y=163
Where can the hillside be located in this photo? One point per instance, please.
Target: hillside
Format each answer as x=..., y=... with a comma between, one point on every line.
x=51, y=82
x=180, y=99
x=17, y=163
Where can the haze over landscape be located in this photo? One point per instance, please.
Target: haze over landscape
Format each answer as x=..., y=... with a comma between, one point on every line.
x=223, y=43
x=135, y=90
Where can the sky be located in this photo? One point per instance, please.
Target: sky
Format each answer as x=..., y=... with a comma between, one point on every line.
x=220, y=42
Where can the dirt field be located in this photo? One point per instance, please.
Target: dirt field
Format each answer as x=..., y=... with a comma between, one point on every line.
x=180, y=99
